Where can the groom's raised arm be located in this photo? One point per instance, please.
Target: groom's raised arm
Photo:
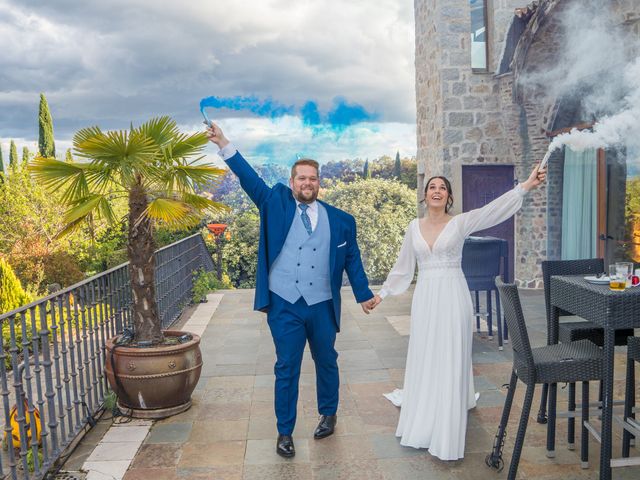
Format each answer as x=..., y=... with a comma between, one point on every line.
x=250, y=182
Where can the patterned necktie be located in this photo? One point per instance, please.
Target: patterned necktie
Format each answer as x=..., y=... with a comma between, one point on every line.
x=306, y=221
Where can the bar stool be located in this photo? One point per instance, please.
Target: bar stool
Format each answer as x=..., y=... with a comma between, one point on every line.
x=482, y=260
x=630, y=425
x=579, y=361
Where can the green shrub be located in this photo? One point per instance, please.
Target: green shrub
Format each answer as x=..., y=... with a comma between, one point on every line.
x=240, y=252
x=206, y=282
x=12, y=295
x=30, y=463
x=382, y=209
x=62, y=268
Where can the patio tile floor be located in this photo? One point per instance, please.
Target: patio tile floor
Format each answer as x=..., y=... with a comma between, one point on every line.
x=229, y=432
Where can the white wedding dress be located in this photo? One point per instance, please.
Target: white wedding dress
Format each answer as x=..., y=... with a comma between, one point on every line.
x=438, y=381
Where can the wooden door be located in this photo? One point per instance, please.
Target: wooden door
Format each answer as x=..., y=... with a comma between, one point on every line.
x=482, y=184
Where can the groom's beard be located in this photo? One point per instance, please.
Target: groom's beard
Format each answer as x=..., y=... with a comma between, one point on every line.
x=307, y=195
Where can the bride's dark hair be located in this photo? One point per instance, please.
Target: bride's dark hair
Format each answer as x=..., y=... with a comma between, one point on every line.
x=447, y=184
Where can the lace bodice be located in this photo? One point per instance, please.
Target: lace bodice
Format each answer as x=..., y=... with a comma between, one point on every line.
x=446, y=253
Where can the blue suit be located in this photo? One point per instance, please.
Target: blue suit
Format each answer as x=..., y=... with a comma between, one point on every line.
x=293, y=324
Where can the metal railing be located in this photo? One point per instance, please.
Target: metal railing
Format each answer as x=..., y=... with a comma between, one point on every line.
x=52, y=381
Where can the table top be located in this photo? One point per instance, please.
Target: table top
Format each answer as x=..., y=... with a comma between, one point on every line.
x=596, y=303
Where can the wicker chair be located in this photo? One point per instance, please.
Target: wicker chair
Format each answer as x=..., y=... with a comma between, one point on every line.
x=572, y=331
x=579, y=361
x=630, y=425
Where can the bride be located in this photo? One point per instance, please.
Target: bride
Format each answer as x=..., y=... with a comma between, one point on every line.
x=438, y=381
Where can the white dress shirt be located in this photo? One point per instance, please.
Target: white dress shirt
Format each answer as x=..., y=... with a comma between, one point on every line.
x=228, y=151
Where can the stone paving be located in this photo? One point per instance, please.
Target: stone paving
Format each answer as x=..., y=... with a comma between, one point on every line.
x=229, y=433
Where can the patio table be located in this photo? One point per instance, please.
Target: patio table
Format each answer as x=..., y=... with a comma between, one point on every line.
x=611, y=310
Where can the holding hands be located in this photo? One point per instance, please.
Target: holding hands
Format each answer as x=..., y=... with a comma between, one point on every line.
x=370, y=304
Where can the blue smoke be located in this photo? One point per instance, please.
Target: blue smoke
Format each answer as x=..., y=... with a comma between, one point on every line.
x=344, y=114
x=310, y=113
x=340, y=116
x=262, y=108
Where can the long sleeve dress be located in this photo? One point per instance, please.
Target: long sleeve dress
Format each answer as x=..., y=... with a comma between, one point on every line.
x=438, y=382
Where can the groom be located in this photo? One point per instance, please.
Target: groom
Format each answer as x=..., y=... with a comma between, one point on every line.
x=305, y=246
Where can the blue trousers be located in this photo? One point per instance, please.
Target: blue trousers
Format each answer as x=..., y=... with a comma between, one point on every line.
x=291, y=326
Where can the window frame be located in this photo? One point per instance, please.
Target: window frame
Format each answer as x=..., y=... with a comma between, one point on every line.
x=485, y=13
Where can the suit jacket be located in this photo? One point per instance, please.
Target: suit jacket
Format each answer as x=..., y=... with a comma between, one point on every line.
x=277, y=209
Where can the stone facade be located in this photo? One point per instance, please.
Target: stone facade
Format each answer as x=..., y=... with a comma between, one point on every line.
x=467, y=118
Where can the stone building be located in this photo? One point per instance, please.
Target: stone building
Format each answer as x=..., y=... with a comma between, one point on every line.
x=477, y=108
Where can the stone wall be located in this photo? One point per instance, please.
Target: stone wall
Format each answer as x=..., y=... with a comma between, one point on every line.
x=461, y=114
x=480, y=118
x=458, y=110
x=429, y=96
x=538, y=233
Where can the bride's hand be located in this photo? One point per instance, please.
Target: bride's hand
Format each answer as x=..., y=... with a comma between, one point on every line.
x=377, y=300
x=535, y=178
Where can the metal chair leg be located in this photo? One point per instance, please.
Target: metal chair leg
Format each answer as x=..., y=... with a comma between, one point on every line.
x=551, y=421
x=505, y=332
x=542, y=412
x=494, y=459
x=522, y=430
x=499, y=322
x=584, y=439
x=489, y=315
x=629, y=401
x=477, y=311
x=571, y=424
x=600, y=394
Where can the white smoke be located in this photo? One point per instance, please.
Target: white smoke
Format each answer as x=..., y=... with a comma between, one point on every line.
x=595, y=67
x=621, y=128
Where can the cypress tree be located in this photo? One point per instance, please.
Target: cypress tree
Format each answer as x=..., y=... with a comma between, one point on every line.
x=13, y=155
x=397, y=168
x=1, y=161
x=26, y=155
x=46, y=145
x=68, y=157
x=365, y=171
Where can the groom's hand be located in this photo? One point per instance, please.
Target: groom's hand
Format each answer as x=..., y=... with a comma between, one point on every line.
x=214, y=133
x=368, y=305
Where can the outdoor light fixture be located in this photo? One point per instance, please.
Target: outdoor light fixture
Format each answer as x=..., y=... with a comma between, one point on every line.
x=217, y=229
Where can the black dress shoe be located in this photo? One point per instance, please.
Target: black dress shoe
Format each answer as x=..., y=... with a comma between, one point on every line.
x=325, y=426
x=285, y=447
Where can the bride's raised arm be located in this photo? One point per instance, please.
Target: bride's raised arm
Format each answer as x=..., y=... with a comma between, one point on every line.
x=401, y=274
x=502, y=208
x=493, y=213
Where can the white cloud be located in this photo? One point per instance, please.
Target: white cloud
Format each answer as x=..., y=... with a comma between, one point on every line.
x=280, y=140
x=109, y=63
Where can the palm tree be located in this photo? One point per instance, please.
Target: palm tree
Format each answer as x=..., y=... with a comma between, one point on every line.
x=156, y=168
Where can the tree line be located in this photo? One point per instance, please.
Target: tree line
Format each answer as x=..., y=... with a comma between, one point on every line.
x=380, y=193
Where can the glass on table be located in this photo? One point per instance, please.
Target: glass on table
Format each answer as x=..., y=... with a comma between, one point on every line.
x=626, y=269
x=617, y=278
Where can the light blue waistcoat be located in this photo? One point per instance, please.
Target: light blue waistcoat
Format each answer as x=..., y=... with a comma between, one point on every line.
x=302, y=267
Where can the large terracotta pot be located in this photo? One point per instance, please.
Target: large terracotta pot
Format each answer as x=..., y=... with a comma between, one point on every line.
x=154, y=382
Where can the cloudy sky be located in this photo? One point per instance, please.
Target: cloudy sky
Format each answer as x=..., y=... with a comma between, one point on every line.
x=330, y=79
